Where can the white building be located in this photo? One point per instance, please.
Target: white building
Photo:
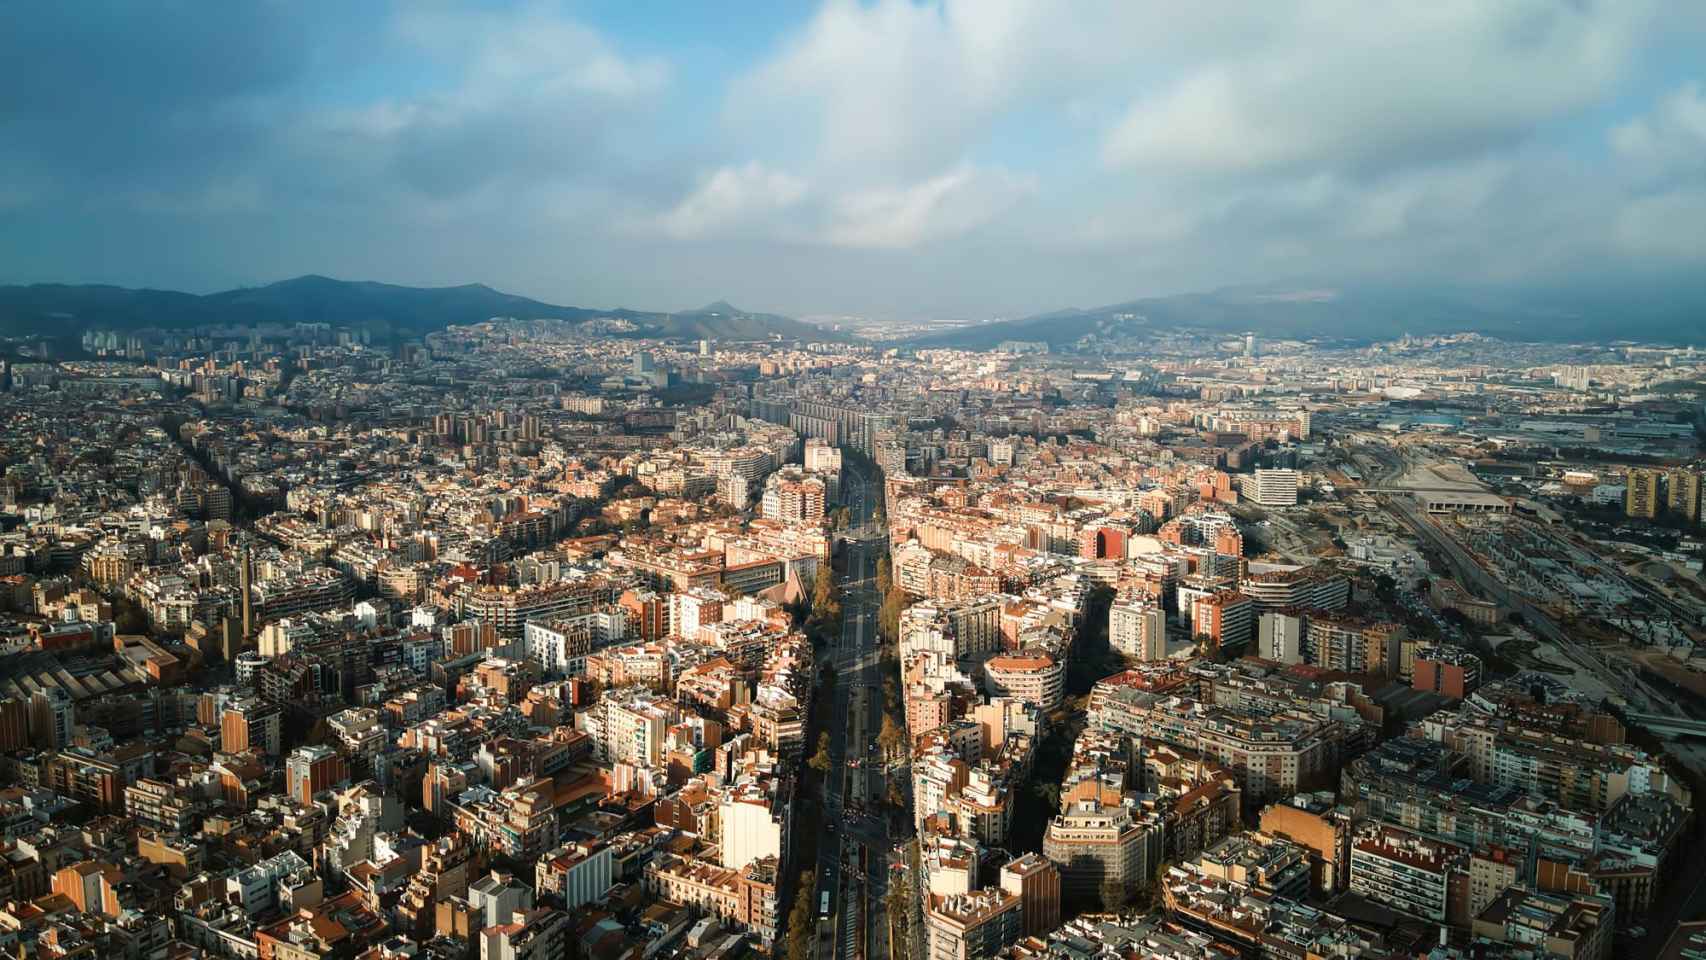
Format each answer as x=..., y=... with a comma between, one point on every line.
x=282, y=882
x=498, y=896
x=752, y=825
x=822, y=458
x=1280, y=637
x=1271, y=488
x=578, y=873
x=561, y=645
x=951, y=629
x=1137, y=628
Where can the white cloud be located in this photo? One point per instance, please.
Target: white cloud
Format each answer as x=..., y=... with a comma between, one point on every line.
x=1663, y=154
x=905, y=88
x=1671, y=138
x=756, y=201
x=1314, y=136
x=944, y=206
x=535, y=50
x=733, y=197
x=1347, y=85
x=526, y=120
x=914, y=88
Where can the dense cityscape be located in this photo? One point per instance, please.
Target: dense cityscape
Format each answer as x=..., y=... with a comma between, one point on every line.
x=852, y=480
x=524, y=640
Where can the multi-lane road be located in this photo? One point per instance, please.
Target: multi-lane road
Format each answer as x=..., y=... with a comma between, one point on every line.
x=853, y=857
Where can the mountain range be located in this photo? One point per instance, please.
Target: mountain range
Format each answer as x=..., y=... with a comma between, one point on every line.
x=1657, y=310
x=1665, y=312
x=382, y=308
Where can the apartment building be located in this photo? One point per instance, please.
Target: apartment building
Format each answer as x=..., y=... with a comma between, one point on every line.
x=1567, y=926
x=1317, y=587
x=509, y=609
x=157, y=805
x=1029, y=675
x=542, y=934
x=1641, y=493
x=561, y=645
x=972, y=926
x=1335, y=642
x=312, y=770
x=575, y=874
x=1315, y=822
x=1036, y=882
x=1097, y=846
x=1448, y=671
x=1224, y=621
x=793, y=497
x=1682, y=495
x=1137, y=628
x=952, y=630
x=1271, y=488
x=1410, y=873
x=753, y=822
x=1264, y=863
x=628, y=726
x=1280, y=636
x=251, y=724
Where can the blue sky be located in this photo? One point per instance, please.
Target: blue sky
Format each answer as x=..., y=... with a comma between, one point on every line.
x=970, y=158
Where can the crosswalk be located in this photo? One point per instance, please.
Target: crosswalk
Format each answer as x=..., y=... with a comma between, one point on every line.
x=850, y=924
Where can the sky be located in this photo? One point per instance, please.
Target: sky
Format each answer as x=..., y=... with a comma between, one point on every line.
x=904, y=160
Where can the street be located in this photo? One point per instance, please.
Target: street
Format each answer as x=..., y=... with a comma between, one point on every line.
x=861, y=837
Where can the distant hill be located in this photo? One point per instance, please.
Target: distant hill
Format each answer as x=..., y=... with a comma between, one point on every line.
x=61, y=309
x=1668, y=314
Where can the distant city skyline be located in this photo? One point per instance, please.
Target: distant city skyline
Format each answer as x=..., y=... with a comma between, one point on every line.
x=892, y=160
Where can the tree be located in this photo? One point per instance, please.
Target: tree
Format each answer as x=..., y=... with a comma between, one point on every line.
x=820, y=759
x=802, y=931
x=885, y=576
x=891, y=692
x=888, y=618
x=1048, y=792
x=825, y=609
x=823, y=591
x=890, y=737
x=1157, y=883
x=901, y=900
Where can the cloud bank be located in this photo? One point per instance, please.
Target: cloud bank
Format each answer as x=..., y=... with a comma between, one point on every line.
x=962, y=157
